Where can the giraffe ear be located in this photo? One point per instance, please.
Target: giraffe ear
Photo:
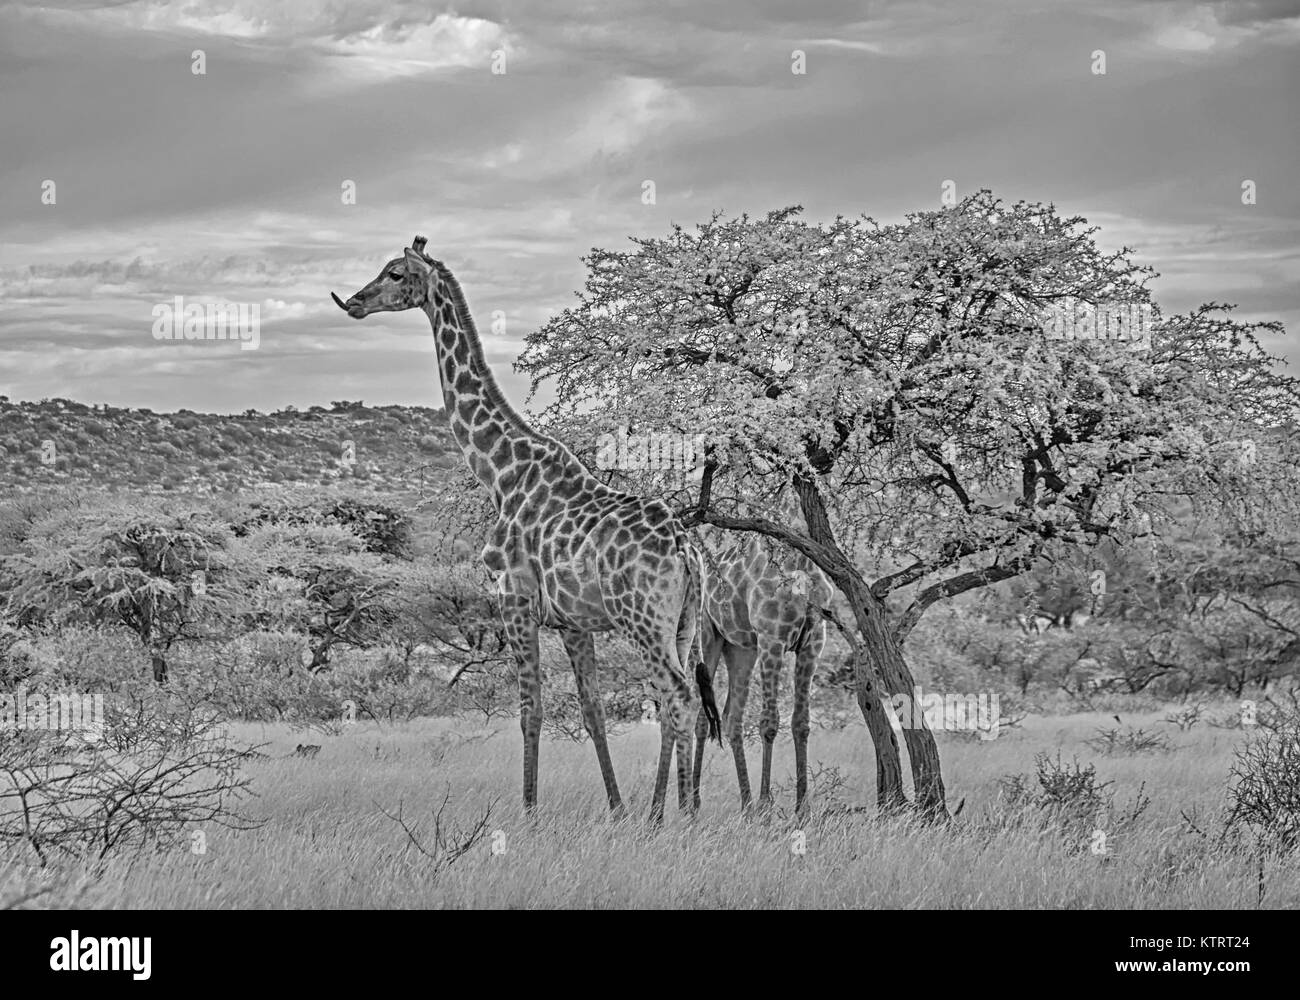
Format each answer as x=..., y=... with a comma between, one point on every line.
x=417, y=260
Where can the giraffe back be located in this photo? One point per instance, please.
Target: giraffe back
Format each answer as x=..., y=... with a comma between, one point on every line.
x=757, y=594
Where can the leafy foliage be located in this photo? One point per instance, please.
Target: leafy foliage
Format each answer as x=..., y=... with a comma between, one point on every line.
x=905, y=367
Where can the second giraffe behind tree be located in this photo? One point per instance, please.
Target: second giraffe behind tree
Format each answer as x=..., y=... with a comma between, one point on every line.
x=757, y=608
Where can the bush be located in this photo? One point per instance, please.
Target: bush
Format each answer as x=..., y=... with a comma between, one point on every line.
x=1068, y=798
x=1115, y=740
x=1264, y=788
x=158, y=770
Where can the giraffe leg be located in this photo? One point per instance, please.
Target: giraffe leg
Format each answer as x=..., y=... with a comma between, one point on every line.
x=740, y=665
x=804, y=664
x=521, y=634
x=713, y=643
x=661, y=772
x=682, y=706
x=675, y=723
x=581, y=647
x=769, y=666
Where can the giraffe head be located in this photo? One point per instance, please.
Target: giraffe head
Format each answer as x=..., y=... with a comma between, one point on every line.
x=405, y=282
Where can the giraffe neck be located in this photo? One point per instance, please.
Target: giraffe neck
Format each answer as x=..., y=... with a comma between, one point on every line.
x=496, y=441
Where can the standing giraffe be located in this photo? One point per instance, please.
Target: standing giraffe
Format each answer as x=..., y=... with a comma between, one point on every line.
x=756, y=609
x=568, y=551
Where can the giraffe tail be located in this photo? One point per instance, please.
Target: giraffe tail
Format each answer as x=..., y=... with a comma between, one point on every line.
x=695, y=604
x=805, y=627
x=710, y=703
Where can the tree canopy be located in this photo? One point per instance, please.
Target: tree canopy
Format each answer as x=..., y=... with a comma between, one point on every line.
x=906, y=368
x=906, y=384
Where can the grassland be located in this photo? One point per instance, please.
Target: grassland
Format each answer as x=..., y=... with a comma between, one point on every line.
x=326, y=841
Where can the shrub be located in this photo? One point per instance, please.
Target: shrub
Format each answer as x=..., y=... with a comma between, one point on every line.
x=1128, y=741
x=1187, y=717
x=1067, y=797
x=159, y=770
x=1264, y=789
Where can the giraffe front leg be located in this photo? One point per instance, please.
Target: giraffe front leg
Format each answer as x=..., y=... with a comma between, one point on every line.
x=521, y=634
x=770, y=675
x=740, y=665
x=804, y=665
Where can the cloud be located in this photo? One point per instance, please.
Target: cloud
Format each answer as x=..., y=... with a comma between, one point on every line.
x=1194, y=27
x=447, y=42
x=366, y=40
x=1185, y=38
x=228, y=185
x=1256, y=12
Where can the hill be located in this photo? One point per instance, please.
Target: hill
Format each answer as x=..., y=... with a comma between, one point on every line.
x=61, y=442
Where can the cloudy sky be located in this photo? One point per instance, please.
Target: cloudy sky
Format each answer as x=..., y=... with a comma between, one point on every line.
x=228, y=186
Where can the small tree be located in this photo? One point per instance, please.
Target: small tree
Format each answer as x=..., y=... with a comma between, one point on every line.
x=317, y=580
x=162, y=575
x=452, y=610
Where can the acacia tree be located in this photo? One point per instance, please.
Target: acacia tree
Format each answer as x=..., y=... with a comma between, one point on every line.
x=898, y=382
x=319, y=580
x=166, y=576
x=1241, y=598
x=452, y=610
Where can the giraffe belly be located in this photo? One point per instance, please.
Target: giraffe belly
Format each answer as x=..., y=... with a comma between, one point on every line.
x=565, y=615
x=572, y=598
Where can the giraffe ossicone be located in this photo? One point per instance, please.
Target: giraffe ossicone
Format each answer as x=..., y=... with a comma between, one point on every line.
x=568, y=551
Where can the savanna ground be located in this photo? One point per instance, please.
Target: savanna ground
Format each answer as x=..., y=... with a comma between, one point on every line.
x=330, y=836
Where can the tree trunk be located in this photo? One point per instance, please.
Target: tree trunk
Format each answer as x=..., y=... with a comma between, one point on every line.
x=883, y=658
x=890, y=797
x=159, y=667
x=880, y=662
x=320, y=659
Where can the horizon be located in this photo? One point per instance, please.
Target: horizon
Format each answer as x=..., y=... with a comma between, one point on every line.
x=216, y=413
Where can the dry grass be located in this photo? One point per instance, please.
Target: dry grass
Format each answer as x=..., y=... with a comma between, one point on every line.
x=328, y=843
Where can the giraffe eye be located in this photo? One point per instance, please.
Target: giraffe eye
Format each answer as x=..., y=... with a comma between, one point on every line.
x=395, y=275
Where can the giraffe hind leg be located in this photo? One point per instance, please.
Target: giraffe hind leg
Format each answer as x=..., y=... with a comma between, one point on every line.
x=740, y=665
x=675, y=722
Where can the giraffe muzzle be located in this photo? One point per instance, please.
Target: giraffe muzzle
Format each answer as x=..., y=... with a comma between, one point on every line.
x=356, y=310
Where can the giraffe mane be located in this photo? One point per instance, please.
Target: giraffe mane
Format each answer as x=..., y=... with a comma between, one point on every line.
x=490, y=389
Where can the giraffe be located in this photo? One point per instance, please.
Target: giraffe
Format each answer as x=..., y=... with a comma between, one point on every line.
x=568, y=552
x=758, y=608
